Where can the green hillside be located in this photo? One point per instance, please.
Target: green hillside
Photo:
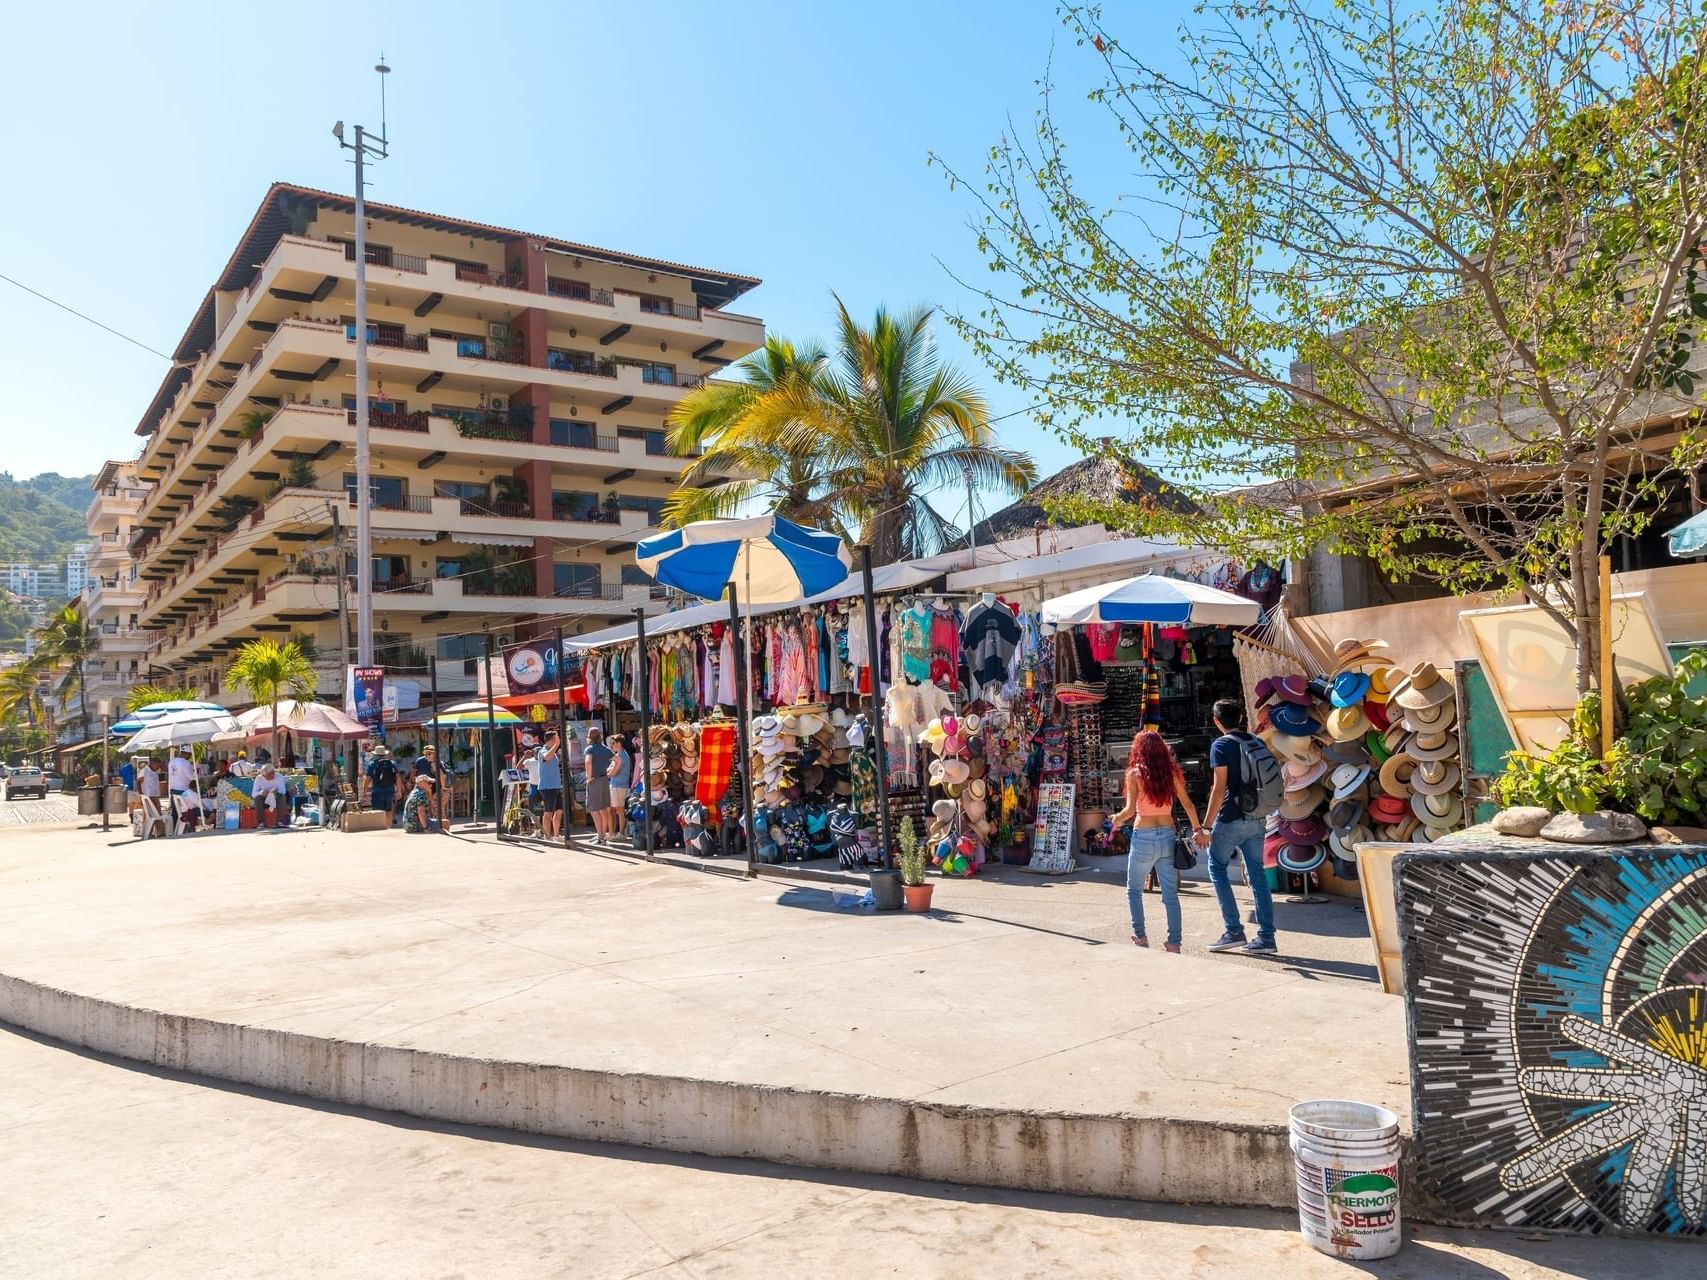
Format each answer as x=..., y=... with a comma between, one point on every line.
x=41, y=518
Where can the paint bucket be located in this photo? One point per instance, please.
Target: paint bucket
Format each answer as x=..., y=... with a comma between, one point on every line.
x=1347, y=1159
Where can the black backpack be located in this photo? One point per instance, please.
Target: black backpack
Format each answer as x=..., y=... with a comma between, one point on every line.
x=1260, y=785
x=384, y=775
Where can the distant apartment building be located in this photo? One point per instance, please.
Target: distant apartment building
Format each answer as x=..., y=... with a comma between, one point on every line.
x=77, y=568
x=40, y=581
x=518, y=386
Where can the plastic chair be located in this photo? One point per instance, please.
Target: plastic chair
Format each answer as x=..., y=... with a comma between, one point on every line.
x=149, y=817
x=182, y=805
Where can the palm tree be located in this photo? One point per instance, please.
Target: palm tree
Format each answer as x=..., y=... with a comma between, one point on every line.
x=68, y=640
x=20, y=694
x=270, y=670
x=753, y=469
x=146, y=695
x=866, y=437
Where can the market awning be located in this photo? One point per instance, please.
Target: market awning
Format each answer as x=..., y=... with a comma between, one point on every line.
x=492, y=539
x=885, y=580
x=540, y=698
x=1690, y=537
x=407, y=535
x=78, y=746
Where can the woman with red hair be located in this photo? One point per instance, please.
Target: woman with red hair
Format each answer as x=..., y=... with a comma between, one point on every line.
x=1154, y=784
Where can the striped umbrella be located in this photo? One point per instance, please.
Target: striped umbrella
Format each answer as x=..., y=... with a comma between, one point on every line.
x=134, y=722
x=471, y=715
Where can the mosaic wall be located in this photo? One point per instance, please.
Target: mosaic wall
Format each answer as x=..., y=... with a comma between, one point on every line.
x=1558, y=1010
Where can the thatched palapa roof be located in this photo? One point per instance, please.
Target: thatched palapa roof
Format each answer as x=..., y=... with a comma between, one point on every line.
x=1099, y=479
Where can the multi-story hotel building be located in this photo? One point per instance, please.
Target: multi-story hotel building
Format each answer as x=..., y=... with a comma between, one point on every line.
x=518, y=386
x=112, y=597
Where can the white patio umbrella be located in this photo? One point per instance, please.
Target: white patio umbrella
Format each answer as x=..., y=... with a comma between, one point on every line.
x=305, y=719
x=181, y=729
x=1147, y=598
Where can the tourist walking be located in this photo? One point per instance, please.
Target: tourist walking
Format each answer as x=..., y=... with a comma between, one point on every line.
x=1246, y=789
x=382, y=781
x=550, y=786
x=598, y=759
x=621, y=771
x=1154, y=785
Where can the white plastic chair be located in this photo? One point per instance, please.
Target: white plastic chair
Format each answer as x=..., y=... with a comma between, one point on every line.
x=149, y=818
x=183, y=804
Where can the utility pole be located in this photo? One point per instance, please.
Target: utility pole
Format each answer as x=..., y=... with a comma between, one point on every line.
x=365, y=146
x=343, y=587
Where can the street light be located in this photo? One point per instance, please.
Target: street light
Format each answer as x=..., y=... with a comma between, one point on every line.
x=365, y=146
x=105, y=707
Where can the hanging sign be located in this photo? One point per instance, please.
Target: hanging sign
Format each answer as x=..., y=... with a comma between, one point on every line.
x=1052, y=832
x=367, y=698
x=531, y=667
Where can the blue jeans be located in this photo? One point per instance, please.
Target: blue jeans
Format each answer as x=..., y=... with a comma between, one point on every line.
x=1152, y=847
x=1244, y=836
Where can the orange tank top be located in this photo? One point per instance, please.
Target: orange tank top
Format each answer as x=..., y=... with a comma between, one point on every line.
x=1145, y=808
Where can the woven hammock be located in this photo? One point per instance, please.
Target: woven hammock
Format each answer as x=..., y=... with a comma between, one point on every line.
x=1270, y=650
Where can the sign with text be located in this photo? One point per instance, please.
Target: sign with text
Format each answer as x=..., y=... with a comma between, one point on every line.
x=367, y=697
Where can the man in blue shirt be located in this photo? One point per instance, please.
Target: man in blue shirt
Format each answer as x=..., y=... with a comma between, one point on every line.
x=127, y=774
x=1235, y=834
x=551, y=787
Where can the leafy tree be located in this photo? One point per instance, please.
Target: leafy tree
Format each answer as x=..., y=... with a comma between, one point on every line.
x=1436, y=268
x=270, y=670
x=21, y=701
x=855, y=441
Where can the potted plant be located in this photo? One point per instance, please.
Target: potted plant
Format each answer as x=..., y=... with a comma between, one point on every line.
x=910, y=861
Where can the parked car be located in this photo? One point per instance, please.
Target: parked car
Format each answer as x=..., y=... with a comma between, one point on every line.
x=24, y=780
x=54, y=779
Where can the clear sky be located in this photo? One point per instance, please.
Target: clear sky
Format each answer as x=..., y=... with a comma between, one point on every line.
x=787, y=141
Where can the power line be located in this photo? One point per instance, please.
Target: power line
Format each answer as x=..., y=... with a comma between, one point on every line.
x=91, y=319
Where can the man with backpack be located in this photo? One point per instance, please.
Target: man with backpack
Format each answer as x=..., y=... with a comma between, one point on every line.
x=382, y=782
x=1247, y=789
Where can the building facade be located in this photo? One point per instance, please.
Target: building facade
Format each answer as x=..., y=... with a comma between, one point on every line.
x=77, y=569
x=38, y=581
x=113, y=594
x=517, y=392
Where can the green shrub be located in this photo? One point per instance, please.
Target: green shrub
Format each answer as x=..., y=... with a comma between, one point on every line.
x=1657, y=769
x=910, y=858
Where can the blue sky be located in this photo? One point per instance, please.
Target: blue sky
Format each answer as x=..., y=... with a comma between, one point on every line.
x=784, y=141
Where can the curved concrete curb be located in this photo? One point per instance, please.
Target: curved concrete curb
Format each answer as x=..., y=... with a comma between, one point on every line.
x=1139, y=1158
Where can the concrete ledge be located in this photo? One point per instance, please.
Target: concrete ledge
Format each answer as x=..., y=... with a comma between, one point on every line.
x=1162, y=1159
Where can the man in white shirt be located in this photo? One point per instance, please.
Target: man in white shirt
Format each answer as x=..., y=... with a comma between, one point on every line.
x=241, y=768
x=268, y=793
x=180, y=773
x=148, y=779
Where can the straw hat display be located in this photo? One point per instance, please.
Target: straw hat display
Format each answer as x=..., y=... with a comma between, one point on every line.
x=1367, y=752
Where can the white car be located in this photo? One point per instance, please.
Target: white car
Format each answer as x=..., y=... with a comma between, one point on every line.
x=23, y=780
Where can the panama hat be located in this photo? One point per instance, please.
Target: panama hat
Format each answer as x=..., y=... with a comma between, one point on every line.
x=766, y=724
x=1435, y=777
x=1310, y=830
x=1387, y=808
x=1382, y=682
x=1352, y=653
x=1300, y=859
x=1438, y=716
x=1346, y=723
x=1404, y=829
x=971, y=725
x=1344, y=842
x=1345, y=753
x=1298, y=805
x=954, y=772
x=1396, y=774
x=978, y=788
x=1288, y=747
x=1299, y=774
x=1292, y=689
x=1347, y=779
x=1423, y=688
x=1292, y=719
x=1433, y=745
x=1348, y=688
x=1438, y=810
x=933, y=732
x=1347, y=813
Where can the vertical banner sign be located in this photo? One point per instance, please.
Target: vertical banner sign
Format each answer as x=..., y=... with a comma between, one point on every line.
x=1052, y=832
x=368, y=685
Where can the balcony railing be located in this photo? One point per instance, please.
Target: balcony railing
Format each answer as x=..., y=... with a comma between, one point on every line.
x=580, y=292
x=594, y=590
x=392, y=421
x=399, y=584
x=481, y=585
x=504, y=508
x=420, y=503
x=495, y=424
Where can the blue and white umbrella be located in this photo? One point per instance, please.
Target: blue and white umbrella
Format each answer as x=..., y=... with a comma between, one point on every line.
x=1689, y=538
x=142, y=716
x=1147, y=598
x=767, y=559
x=757, y=560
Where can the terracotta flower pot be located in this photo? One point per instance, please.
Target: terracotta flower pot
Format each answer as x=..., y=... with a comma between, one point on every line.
x=918, y=896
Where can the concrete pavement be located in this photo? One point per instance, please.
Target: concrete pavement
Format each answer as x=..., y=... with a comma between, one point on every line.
x=55, y=808
x=110, y=1171
x=589, y=997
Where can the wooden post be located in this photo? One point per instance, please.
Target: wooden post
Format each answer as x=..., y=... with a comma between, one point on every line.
x=1607, y=692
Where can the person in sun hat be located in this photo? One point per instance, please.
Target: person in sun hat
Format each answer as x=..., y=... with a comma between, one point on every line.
x=1235, y=832
x=1153, y=785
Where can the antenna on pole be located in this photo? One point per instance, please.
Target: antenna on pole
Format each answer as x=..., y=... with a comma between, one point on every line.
x=384, y=71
